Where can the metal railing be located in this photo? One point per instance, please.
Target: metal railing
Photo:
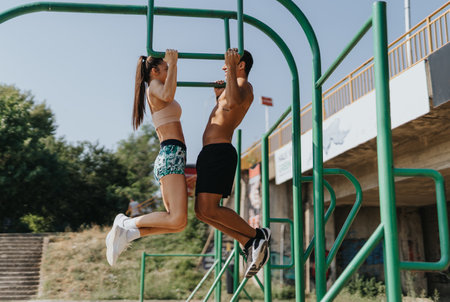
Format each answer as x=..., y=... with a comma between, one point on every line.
x=409, y=49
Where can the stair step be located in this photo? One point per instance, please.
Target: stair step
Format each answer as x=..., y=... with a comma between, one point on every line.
x=5, y=265
x=15, y=293
x=20, y=261
x=16, y=298
x=20, y=269
x=19, y=278
x=16, y=287
x=4, y=283
x=20, y=252
x=4, y=257
x=4, y=274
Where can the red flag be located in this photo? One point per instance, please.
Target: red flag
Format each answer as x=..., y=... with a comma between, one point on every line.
x=266, y=101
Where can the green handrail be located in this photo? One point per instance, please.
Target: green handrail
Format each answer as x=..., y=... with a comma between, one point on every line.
x=291, y=224
x=219, y=276
x=441, y=201
x=202, y=281
x=327, y=214
x=353, y=266
x=351, y=216
x=185, y=12
x=364, y=29
x=144, y=255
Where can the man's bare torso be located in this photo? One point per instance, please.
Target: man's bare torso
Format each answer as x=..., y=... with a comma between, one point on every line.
x=225, y=118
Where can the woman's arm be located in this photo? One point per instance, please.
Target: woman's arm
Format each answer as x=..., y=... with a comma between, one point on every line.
x=166, y=91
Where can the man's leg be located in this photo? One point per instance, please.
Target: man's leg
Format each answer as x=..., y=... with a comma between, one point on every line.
x=208, y=209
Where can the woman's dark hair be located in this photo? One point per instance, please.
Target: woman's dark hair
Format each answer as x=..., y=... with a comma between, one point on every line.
x=248, y=59
x=144, y=67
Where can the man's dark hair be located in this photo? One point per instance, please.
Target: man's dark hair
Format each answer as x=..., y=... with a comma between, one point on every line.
x=248, y=59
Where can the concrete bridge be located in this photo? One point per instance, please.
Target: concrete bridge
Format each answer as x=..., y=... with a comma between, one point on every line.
x=420, y=113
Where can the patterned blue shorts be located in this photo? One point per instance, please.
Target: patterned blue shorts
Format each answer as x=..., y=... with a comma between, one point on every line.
x=170, y=160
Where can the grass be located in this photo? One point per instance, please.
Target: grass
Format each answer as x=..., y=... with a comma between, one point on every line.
x=74, y=268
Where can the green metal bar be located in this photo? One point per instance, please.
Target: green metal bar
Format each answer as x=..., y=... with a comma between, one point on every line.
x=218, y=289
x=178, y=255
x=345, y=52
x=384, y=151
x=266, y=211
x=185, y=12
x=202, y=281
x=351, y=216
x=291, y=224
x=266, y=199
x=238, y=291
x=353, y=266
x=141, y=298
x=278, y=122
x=317, y=167
x=200, y=84
x=227, y=33
x=240, y=26
x=218, y=276
x=327, y=214
x=72, y=8
x=237, y=208
x=442, y=263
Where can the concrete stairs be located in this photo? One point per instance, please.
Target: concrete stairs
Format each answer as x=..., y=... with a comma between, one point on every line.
x=20, y=260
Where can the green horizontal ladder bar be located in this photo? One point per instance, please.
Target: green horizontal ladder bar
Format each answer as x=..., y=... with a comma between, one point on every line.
x=364, y=29
x=443, y=263
x=72, y=8
x=196, y=13
x=178, y=255
x=200, y=84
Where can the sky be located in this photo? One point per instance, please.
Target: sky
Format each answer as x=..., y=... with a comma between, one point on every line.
x=83, y=65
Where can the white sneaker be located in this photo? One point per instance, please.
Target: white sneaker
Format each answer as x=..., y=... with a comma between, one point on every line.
x=116, y=240
x=259, y=255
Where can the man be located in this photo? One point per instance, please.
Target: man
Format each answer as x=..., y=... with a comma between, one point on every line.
x=216, y=163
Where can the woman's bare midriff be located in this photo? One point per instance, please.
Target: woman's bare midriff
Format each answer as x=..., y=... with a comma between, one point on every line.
x=170, y=131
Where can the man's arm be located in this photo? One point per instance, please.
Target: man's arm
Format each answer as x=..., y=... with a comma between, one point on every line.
x=235, y=94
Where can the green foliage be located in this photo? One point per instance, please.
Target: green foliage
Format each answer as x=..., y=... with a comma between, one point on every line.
x=68, y=185
x=37, y=224
x=365, y=287
x=137, y=154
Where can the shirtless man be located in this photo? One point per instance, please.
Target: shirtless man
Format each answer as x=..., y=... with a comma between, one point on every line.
x=216, y=163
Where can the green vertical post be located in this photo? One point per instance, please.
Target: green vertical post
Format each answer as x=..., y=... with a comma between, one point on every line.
x=319, y=225
x=150, y=18
x=384, y=150
x=266, y=210
x=237, y=207
x=142, y=277
x=240, y=25
x=218, y=253
x=226, y=23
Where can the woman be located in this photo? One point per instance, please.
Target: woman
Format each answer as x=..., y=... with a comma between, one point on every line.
x=161, y=77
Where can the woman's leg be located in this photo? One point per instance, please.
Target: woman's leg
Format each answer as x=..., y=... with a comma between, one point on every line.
x=174, y=193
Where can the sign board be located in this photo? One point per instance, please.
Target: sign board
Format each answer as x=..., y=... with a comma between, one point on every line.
x=266, y=101
x=283, y=163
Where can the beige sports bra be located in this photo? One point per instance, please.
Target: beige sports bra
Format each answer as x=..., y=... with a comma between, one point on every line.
x=170, y=113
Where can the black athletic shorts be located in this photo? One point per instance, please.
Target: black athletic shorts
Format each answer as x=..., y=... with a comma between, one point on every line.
x=216, y=167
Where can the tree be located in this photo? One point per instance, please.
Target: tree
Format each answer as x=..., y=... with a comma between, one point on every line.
x=137, y=154
x=47, y=184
